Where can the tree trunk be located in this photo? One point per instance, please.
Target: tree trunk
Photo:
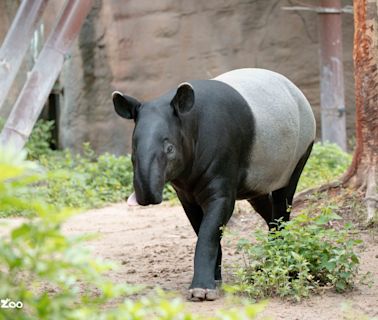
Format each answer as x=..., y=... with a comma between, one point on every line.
x=363, y=172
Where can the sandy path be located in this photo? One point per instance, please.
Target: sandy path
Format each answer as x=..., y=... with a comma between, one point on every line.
x=155, y=245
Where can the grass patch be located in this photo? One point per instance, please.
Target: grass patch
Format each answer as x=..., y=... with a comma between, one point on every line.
x=326, y=163
x=307, y=254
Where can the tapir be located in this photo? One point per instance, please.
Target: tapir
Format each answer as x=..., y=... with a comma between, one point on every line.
x=245, y=134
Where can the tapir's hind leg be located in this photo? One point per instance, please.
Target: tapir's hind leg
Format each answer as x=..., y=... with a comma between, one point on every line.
x=263, y=206
x=297, y=173
x=282, y=199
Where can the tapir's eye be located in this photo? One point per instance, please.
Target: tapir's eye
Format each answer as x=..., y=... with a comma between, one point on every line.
x=169, y=149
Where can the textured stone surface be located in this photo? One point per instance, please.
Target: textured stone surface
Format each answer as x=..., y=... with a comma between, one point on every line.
x=87, y=113
x=143, y=48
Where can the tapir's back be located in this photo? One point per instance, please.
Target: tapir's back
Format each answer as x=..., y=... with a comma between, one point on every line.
x=284, y=125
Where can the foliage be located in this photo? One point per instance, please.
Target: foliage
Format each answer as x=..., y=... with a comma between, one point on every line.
x=40, y=139
x=326, y=163
x=86, y=181
x=83, y=181
x=302, y=256
x=55, y=276
x=89, y=181
x=169, y=194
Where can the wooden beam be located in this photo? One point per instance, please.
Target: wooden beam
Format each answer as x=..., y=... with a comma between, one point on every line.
x=43, y=75
x=17, y=41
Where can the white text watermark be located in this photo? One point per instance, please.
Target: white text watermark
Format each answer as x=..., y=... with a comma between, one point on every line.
x=10, y=304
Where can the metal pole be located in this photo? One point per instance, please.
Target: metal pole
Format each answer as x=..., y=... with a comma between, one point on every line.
x=43, y=75
x=331, y=75
x=17, y=41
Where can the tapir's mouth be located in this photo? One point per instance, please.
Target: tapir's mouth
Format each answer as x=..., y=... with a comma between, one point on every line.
x=134, y=200
x=145, y=196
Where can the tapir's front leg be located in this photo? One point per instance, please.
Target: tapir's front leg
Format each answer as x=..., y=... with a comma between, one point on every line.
x=217, y=212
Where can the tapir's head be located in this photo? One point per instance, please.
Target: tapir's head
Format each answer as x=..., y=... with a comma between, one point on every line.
x=157, y=146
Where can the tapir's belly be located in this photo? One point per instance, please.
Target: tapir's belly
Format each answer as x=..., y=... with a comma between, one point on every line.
x=284, y=126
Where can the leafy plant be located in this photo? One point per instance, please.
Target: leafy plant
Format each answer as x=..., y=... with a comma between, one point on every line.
x=87, y=182
x=299, y=258
x=40, y=267
x=47, y=275
x=326, y=163
x=40, y=139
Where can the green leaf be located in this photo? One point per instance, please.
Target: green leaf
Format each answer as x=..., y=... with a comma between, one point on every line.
x=21, y=231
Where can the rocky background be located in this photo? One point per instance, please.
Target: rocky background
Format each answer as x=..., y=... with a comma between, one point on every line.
x=143, y=48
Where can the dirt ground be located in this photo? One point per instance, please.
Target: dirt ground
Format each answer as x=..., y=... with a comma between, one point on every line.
x=154, y=246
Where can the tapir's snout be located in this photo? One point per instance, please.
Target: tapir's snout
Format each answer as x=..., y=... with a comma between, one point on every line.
x=148, y=188
x=148, y=199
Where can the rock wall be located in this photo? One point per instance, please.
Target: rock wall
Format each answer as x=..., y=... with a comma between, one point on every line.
x=143, y=48
x=87, y=113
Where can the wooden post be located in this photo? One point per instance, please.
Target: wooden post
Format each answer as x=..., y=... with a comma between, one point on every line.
x=332, y=103
x=43, y=75
x=17, y=42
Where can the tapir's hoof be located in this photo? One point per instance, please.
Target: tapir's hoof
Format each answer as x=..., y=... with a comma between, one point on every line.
x=199, y=294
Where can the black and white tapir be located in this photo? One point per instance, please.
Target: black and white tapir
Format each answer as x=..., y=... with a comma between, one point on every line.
x=245, y=134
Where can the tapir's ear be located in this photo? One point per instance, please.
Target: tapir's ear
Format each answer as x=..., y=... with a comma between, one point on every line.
x=183, y=100
x=125, y=106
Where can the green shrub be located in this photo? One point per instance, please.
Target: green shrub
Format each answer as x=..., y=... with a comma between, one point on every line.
x=87, y=183
x=40, y=139
x=48, y=275
x=305, y=255
x=83, y=181
x=40, y=267
x=326, y=163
